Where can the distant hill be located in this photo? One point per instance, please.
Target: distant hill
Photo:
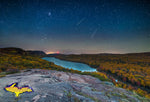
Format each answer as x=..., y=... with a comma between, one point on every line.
x=13, y=50
x=101, y=54
x=141, y=53
x=36, y=53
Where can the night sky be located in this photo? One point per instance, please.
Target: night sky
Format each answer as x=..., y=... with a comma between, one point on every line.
x=76, y=26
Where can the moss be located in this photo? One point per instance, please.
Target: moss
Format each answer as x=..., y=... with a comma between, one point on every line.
x=124, y=100
x=85, y=95
x=69, y=94
x=108, y=95
x=93, y=89
x=76, y=99
x=142, y=99
x=2, y=76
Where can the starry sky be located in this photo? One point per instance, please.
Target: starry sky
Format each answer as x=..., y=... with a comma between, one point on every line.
x=76, y=26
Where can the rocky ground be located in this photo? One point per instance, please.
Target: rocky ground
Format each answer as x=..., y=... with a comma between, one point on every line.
x=57, y=86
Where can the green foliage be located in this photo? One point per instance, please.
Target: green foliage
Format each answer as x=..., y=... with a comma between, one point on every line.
x=98, y=75
x=14, y=63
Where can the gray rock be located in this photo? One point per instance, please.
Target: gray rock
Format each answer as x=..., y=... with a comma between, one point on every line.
x=57, y=86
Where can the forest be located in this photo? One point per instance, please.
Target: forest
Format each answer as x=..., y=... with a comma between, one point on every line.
x=132, y=70
x=12, y=60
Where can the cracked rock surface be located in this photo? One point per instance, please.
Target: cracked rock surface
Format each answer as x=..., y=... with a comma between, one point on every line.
x=57, y=86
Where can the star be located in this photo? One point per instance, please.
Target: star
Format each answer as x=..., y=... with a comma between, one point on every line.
x=49, y=13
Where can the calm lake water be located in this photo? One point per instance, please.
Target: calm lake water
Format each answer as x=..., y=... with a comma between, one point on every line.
x=70, y=65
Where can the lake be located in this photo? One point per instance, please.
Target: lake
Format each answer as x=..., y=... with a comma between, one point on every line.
x=70, y=65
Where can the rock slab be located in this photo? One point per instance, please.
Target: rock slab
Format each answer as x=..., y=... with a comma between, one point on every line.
x=58, y=86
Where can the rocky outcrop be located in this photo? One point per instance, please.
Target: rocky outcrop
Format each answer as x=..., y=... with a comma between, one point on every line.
x=56, y=86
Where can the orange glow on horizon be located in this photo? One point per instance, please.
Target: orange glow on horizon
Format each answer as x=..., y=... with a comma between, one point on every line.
x=57, y=52
x=53, y=52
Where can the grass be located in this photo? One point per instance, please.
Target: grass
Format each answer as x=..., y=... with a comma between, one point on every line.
x=3, y=74
x=85, y=95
